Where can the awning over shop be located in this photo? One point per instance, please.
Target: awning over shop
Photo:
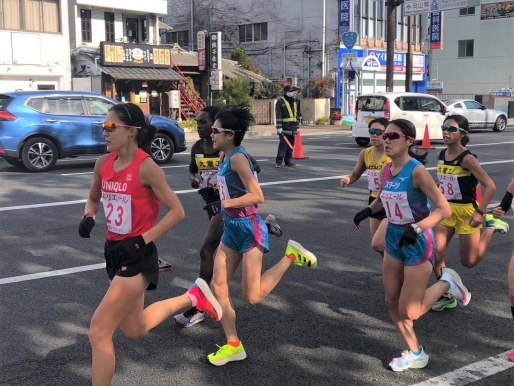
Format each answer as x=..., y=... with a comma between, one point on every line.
x=130, y=73
x=164, y=26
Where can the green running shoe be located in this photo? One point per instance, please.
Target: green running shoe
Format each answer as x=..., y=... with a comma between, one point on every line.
x=303, y=257
x=226, y=354
x=496, y=224
x=445, y=301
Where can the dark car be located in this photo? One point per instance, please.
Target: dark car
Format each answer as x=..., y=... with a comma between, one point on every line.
x=39, y=127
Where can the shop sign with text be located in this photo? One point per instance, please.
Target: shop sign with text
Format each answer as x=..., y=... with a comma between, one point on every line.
x=134, y=55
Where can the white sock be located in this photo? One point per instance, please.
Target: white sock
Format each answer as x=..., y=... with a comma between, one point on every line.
x=447, y=278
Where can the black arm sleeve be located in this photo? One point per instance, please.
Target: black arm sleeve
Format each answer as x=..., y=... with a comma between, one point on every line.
x=506, y=202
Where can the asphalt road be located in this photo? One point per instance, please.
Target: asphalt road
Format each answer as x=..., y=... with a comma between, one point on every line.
x=327, y=327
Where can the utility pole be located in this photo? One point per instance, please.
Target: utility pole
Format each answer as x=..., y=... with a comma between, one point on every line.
x=192, y=33
x=391, y=37
x=408, y=62
x=323, y=32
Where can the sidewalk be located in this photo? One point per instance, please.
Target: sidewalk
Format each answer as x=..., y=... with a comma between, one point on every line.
x=270, y=130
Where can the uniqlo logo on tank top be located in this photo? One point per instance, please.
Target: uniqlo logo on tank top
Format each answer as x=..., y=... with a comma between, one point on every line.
x=117, y=206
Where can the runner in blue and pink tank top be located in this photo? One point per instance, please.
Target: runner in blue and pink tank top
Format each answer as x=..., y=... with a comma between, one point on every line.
x=245, y=235
x=406, y=188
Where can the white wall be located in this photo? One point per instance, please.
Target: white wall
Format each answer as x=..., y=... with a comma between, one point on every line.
x=98, y=25
x=491, y=65
x=30, y=58
x=148, y=6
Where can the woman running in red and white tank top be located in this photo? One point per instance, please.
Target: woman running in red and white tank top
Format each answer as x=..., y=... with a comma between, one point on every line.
x=131, y=187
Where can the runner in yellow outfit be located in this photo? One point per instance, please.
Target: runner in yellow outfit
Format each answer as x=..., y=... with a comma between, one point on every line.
x=372, y=160
x=459, y=172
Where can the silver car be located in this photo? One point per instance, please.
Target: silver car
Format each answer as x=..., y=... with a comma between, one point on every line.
x=479, y=116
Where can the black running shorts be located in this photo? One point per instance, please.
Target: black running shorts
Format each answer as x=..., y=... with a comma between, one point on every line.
x=145, y=261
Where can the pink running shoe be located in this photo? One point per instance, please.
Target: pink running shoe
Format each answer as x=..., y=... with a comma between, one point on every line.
x=510, y=356
x=203, y=299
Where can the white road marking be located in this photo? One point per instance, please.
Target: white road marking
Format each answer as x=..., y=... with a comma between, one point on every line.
x=284, y=182
x=162, y=167
x=471, y=373
x=58, y=272
x=479, y=144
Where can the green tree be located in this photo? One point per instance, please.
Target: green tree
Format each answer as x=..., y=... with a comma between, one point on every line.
x=266, y=90
x=240, y=56
x=235, y=91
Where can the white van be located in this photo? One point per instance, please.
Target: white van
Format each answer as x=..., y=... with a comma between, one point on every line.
x=420, y=109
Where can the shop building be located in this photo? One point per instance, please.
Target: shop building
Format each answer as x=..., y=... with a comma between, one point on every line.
x=116, y=50
x=34, y=45
x=477, y=56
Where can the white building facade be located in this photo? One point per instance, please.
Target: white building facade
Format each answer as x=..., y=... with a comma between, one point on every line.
x=477, y=56
x=115, y=21
x=34, y=45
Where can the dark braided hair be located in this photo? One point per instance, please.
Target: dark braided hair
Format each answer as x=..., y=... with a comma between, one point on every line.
x=211, y=112
x=132, y=115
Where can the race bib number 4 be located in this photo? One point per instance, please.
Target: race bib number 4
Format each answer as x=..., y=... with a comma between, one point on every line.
x=118, y=212
x=397, y=207
x=449, y=186
x=373, y=180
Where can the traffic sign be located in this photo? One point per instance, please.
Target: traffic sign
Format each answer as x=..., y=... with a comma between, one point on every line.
x=350, y=57
x=349, y=39
x=416, y=7
x=435, y=87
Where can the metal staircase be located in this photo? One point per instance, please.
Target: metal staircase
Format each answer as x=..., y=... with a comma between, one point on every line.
x=191, y=103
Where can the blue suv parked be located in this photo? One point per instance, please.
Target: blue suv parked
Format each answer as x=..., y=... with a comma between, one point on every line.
x=39, y=127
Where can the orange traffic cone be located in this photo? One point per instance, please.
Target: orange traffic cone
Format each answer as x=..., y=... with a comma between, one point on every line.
x=425, y=145
x=479, y=194
x=298, y=149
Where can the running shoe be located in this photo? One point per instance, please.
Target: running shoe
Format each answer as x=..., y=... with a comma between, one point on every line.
x=273, y=226
x=292, y=165
x=277, y=166
x=496, y=224
x=303, y=257
x=408, y=360
x=226, y=354
x=190, y=317
x=510, y=356
x=445, y=301
x=163, y=265
x=457, y=289
x=203, y=299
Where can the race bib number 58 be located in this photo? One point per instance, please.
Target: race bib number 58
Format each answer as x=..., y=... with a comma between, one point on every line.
x=449, y=186
x=118, y=212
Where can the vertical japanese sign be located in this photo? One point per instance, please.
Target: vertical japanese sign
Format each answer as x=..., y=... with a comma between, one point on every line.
x=344, y=16
x=215, y=57
x=200, y=39
x=436, y=31
x=216, y=80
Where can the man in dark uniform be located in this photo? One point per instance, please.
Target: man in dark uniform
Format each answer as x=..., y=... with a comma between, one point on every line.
x=287, y=120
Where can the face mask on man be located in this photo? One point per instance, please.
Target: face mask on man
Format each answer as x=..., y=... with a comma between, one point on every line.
x=290, y=94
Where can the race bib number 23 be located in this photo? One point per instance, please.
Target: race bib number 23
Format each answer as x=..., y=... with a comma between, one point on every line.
x=118, y=212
